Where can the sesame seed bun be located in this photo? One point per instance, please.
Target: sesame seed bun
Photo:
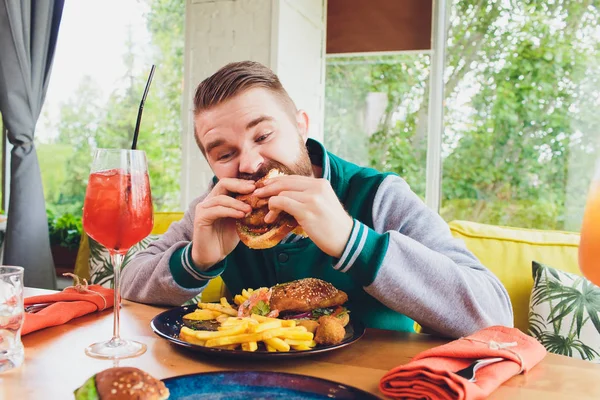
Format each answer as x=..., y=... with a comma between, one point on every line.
x=268, y=239
x=127, y=383
x=305, y=295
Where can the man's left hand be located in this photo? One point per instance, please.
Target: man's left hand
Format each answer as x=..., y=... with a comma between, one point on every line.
x=314, y=204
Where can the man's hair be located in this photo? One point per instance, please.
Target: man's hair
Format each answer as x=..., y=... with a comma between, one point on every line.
x=235, y=78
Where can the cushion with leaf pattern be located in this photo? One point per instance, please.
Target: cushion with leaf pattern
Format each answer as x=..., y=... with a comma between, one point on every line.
x=564, y=313
x=101, y=268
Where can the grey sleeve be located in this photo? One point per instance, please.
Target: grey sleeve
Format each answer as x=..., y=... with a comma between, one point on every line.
x=148, y=278
x=427, y=274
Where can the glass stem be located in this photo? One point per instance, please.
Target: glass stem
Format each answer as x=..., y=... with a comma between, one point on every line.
x=117, y=261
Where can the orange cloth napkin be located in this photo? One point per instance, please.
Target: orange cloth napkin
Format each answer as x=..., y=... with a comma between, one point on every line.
x=430, y=374
x=71, y=303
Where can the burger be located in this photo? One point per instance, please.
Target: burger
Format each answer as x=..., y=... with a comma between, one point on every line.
x=122, y=383
x=303, y=299
x=315, y=304
x=305, y=296
x=252, y=229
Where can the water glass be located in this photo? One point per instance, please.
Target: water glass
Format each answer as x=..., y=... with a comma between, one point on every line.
x=11, y=317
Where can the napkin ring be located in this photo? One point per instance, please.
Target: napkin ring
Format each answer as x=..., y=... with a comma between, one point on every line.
x=84, y=288
x=492, y=344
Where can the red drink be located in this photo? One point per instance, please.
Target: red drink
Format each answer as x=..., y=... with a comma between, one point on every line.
x=117, y=212
x=589, y=247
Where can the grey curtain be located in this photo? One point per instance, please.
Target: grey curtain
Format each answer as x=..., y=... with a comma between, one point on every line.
x=28, y=33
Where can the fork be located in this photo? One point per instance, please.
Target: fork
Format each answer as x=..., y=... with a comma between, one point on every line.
x=469, y=372
x=32, y=309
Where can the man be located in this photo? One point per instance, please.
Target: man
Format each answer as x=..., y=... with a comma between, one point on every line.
x=368, y=233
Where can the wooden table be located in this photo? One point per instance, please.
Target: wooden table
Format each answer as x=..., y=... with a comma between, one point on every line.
x=55, y=363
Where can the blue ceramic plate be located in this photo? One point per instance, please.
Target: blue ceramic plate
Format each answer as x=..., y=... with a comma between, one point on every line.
x=234, y=385
x=168, y=324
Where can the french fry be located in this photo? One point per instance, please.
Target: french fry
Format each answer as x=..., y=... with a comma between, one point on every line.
x=243, y=338
x=218, y=307
x=222, y=318
x=298, y=335
x=270, y=348
x=238, y=320
x=299, y=328
x=277, y=344
x=300, y=347
x=192, y=340
x=202, y=315
x=287, y=333
x=224, y=302
x=264, y=326
x=236, y=330
x=230, y=324
x=250, y=346
x=187, y=331
x=260, y=318
x=286, y=323
x=239, y=299
x=310, y=325
x=306, y=343
x=226, y=327
x=188, y=335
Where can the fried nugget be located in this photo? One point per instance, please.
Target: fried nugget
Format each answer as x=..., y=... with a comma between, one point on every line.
x=330, y=331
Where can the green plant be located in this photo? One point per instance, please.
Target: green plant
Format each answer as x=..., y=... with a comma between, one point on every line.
x=65, y=231
x=568, y=298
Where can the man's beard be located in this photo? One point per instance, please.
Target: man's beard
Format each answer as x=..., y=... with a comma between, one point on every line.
x=302, y=166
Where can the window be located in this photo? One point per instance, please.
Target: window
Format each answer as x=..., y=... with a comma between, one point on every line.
x=521, y=122
x=376, y=112
x=521, y=118
x=103, y=57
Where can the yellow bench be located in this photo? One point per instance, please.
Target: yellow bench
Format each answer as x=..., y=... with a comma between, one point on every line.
x=508, y=253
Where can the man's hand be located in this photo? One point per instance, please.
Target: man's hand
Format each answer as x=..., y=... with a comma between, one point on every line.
x=214, y=223
x=314, y=204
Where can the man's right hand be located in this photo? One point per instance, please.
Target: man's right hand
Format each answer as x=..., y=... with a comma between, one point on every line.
x=214, y=223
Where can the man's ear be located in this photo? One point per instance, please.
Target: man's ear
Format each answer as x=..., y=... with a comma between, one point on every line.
x=303, y=121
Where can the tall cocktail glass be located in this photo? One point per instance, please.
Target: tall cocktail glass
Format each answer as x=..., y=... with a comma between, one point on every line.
x=117, y=213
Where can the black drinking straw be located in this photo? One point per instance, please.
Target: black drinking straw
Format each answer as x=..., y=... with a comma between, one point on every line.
x=139, y=116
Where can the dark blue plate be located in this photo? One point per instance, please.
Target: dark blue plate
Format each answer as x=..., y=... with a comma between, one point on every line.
x=234, y=385
x=168, y=324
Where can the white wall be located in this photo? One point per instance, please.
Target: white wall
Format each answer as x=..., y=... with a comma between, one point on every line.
x=286, y=35
x=299, y=55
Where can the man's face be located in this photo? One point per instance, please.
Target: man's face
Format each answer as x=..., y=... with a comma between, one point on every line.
x=251, y=133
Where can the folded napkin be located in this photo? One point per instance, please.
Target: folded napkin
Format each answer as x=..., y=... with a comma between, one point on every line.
x=430, y=375
x=72, y=302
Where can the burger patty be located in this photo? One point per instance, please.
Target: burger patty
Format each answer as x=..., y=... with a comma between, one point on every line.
x=256, y=217
x=255, y=220
x=253, y=201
